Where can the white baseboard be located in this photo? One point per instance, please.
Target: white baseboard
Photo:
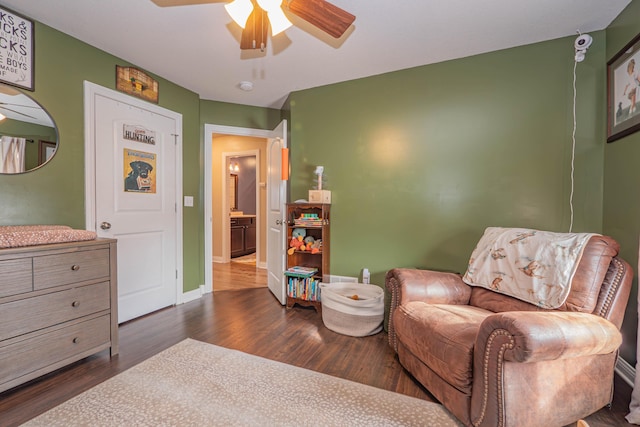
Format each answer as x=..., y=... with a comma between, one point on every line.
x=218, y=259
x=626, y=371
x=193, y=295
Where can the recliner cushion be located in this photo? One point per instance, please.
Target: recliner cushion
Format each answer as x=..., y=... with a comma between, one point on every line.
x=442, y=336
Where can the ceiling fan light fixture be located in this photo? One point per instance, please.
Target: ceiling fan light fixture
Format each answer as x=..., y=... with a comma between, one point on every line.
x=278, y=20
x=270, y=5
x=239, y=10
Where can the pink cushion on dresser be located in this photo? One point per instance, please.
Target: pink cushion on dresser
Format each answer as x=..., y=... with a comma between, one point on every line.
x=14, y=236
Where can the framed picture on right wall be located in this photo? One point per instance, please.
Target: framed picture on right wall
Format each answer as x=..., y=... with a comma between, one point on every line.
x=623, y=91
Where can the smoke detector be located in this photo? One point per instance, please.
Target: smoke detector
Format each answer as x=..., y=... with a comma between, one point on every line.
x=246, y=86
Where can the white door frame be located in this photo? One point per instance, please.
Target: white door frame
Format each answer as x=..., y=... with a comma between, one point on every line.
x=91, y=90
x=209, y=131
x=225, y=208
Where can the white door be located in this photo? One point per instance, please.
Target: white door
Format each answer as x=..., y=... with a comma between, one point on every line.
x=136, y=195
x=276, y=214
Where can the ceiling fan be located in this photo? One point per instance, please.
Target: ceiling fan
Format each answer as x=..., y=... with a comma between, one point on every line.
x=256, y=16
x=3, y=106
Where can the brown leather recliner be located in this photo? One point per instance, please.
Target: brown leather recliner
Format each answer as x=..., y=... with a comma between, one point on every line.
x=493, y=360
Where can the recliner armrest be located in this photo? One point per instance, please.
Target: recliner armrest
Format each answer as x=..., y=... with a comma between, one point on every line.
x=538, y=336
x=544, y=354
x=435, y=287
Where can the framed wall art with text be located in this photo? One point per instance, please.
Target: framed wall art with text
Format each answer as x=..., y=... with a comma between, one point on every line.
x=17, y=49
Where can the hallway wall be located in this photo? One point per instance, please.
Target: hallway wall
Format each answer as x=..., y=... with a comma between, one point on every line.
x=229, y=143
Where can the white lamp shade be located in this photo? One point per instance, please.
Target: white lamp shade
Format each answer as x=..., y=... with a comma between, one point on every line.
x=239, y=10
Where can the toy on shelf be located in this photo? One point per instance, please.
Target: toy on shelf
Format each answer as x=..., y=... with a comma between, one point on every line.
x=297, y=240
x=308, y=220
x=299, y=232
x=303, y=244
x=316, y=246
x=295, y=243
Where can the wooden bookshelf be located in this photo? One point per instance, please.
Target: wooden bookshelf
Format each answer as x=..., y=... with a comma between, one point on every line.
x=315, y=225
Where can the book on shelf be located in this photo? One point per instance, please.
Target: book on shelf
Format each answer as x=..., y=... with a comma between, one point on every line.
x=308, y=222
x=300, y=271
x=304, y=288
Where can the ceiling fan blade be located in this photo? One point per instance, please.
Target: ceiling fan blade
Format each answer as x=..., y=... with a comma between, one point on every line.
x=324, y=15
x=17, y=112
x=254, y=35
x=18, y=105
x=170, y=3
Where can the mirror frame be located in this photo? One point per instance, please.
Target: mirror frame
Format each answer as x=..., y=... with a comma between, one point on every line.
x=233, y=192
x=42, y=149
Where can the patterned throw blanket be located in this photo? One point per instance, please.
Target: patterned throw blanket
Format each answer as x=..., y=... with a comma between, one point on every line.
x=530, y=265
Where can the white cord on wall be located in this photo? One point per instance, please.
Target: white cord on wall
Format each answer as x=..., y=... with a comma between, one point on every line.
x=573, y=146
x=581, y=45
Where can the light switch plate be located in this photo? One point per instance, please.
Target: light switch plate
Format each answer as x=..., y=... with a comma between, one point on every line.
x=188, y=201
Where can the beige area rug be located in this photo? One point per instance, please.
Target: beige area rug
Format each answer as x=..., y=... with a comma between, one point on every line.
x=199, y=384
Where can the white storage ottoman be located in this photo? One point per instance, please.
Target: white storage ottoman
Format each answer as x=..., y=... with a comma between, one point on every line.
x=348, y=316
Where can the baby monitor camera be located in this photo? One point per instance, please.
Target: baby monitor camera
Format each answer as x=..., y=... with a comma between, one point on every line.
x=581, y=44
x=583, y=41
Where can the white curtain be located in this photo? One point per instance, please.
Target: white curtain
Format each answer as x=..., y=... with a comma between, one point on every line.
x=12, y=154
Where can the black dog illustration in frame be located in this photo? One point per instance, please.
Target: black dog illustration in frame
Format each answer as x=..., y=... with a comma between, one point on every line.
x=138, y=179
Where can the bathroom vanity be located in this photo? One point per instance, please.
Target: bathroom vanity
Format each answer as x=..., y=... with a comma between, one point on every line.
x=243, y=235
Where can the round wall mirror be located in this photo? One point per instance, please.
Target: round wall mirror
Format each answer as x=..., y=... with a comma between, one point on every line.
x=28, y=135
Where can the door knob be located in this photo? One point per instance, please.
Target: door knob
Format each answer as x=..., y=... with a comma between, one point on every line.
x=105, y=225
x=279, y=222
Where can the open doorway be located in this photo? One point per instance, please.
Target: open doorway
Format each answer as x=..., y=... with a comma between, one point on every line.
x=242, y=195
x=223, y=143
x=238, y=212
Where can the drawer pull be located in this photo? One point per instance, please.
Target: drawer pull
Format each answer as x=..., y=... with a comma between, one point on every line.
x=76, y=340
x=75, y=267
x=75, y=304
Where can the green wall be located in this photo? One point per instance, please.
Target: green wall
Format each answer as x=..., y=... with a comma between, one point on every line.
x=245, y=116
x=621, y=212
x=421, y=161
x=55, y=193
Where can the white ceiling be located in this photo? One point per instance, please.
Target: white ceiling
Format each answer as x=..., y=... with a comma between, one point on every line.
x=197, y=46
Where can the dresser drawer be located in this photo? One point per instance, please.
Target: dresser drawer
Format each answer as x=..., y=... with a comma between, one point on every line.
x=16, y=277
x=55, y=270
x=21, y=358
x=31, y=314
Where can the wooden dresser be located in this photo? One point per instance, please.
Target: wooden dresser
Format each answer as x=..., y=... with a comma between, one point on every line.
x=58, y=304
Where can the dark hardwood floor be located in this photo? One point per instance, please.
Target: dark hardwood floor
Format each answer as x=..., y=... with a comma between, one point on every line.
x=250, y=320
